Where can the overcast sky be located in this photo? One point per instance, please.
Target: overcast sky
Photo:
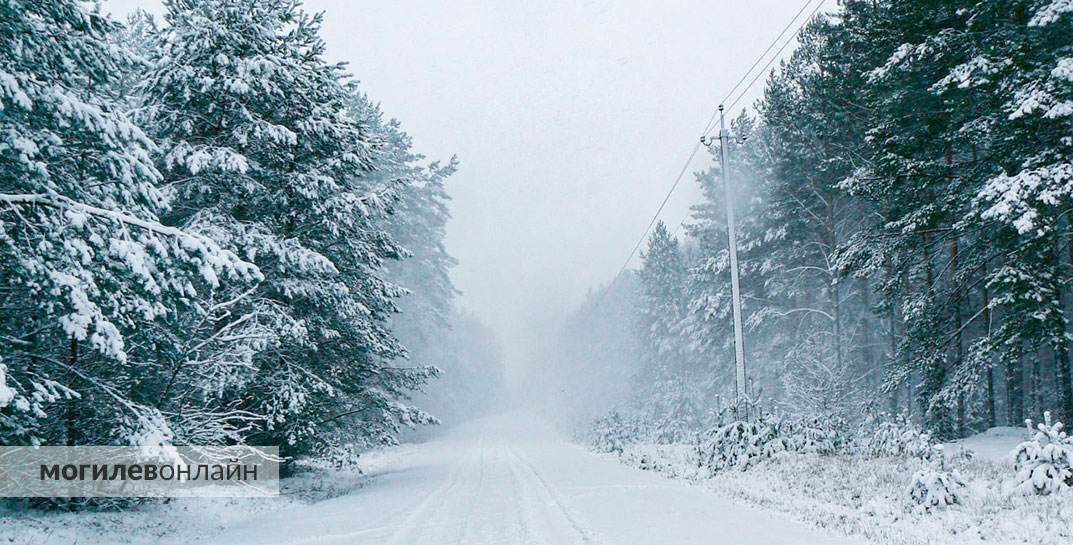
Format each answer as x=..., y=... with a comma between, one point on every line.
x=570, y=118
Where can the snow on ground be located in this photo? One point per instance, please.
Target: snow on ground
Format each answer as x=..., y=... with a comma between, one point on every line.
x=511, y=480
x=866, y=497
x=995, y=445
x=499, y=481
x=180, y=520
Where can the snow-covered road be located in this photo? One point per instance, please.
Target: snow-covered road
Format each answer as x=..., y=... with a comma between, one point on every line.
x=513, y=481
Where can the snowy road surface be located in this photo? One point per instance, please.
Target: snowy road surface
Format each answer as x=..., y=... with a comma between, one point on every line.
x=512, y=481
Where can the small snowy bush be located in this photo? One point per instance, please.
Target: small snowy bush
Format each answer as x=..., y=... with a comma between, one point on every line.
x=1044, y=463
x=933, y=488
x=342, y=456
x=614, y=432
x=741, y=445
x=893, y=436
x=817, y=435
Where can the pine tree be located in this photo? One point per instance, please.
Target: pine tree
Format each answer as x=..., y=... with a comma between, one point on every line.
x=1028, y=79
x=707, y=326
x=86, y=263
x=1044, y=463
x=419, y=225
x=262, y=151
x=813, y=139
x=663, y=377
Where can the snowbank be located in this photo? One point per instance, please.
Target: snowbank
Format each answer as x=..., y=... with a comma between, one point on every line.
x=867, y=497
x=994, y=445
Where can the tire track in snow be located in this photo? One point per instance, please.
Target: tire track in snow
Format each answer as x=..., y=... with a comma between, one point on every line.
x=417, y=524
x=476, y=496
x=525, y=511
x=541, y=487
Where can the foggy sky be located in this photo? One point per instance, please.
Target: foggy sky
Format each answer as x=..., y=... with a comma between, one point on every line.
x=570, y=118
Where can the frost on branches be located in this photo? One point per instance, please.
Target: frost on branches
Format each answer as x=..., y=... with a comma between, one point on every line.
x=263, y=150
x=614, y=432
x=741, y=445
x=220, y=278
x=893, y=436
x=1044, y=464
x=84, y=258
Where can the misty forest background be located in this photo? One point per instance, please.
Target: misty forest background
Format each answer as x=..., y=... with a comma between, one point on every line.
x=210, y=235
x=904, y=192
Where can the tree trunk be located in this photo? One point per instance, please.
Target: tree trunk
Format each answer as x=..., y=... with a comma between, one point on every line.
x=868, y=358
x=892, y=337
x=989, y=373
x=959, y=350
x=1035, y=384
x=835, y=292
x=1062, y=383
x=71, y=415
x=1015, y=410
x=935, y=411
x=909, y=394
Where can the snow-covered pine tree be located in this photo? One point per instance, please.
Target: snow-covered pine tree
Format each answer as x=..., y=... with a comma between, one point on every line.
x=933, y=488
x=1024, y=67
x=808, y=216
x=261, y=152
x=918, y=182
x=84, y=262
x=811, y=143
x=419, y=225
x=428, y=324
x=664, y=374
x=1044, y=464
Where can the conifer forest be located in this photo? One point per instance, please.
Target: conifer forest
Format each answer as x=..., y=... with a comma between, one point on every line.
x=380, y=246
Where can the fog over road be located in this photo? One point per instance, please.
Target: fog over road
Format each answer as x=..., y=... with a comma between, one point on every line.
x=512, y=480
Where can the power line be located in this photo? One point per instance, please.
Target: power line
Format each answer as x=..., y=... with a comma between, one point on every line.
x=655, y=217
x=757, y=77
x=707, y=128
x=764, y=54
x=777, y=54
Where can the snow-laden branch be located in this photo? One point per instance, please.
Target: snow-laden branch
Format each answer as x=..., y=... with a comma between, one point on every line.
x=784, y=313
x=214, y=256
x=64, y=203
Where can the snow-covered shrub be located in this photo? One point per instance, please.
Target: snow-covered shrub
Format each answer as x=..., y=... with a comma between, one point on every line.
x=893, y=436
x=934, y=488
x=612, y=433
x=816, y=435
x=1044, y=463
x=672, y=460
x=345, y=456
x=815, y=382
x=672, y=430
x=741, y=445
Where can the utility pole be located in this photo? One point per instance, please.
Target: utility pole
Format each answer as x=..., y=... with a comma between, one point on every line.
x=740, y=386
